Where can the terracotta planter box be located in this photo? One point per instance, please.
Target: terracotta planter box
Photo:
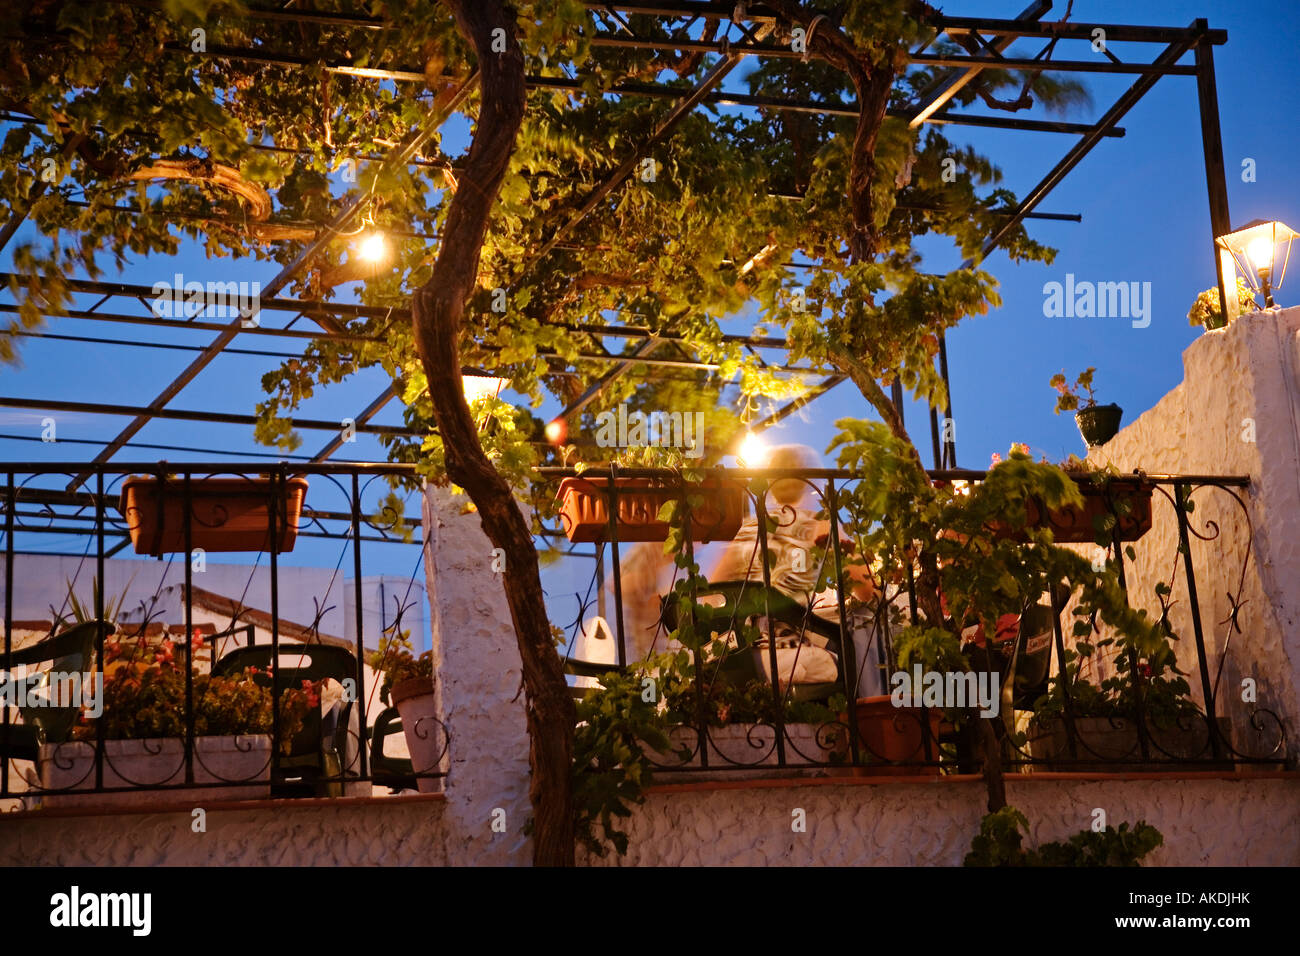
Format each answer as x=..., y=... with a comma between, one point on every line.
x=584, y=509
x=227, y=768
x=227, y=514
x=1115, y=745
x=743, y=745
x=425, y=741
x=889, y=733
x=1071, y=525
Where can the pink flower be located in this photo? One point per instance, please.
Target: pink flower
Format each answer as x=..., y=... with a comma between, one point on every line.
x=996, y=458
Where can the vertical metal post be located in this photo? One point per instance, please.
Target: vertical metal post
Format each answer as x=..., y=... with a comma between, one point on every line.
x=761, y=512
x=1215, y=177
x=848, y=653
x=360, y=617
x=949, y=433
x=1181, y=494
x=188, y=501
x=276, y=492
x=936, y=449
x=1063, y=674
x=9, y=613
x=101, y=725
x=612, y=504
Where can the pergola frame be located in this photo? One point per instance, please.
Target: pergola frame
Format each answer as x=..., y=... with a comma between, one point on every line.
x=983, y=39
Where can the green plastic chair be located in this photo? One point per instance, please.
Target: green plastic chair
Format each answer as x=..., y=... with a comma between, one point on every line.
x=395, y=772
x=72, y=651
x=743, y=600
x=318, y=752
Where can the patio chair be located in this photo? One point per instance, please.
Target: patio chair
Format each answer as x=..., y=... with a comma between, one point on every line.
x=385, y=771
x=72, y=651
x=721, y=607
x=321, y=751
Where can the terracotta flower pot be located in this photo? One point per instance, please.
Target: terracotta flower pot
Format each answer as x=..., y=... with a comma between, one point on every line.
x=584, y=511
x=226, y=514
x=890, y=733
x=414, y=700
x=1072, y=525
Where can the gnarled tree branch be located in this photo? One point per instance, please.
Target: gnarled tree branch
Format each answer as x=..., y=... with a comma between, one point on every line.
x=437, y=310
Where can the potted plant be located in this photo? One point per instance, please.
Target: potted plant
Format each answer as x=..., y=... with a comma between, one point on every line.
x=1207, y=312
x=740, y=728
x=1112, y=504
x=1105, y=718
x=1097, y=423
x=225, y=514
x=408, y=686
x=143, y=713
x=644, y=504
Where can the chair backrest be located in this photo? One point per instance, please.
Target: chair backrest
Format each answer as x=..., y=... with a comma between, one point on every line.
x=70, y=652
x=312, y=662
x=386, y=771
x=723, y=605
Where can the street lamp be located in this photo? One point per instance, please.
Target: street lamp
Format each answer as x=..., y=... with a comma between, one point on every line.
x=1254, y=250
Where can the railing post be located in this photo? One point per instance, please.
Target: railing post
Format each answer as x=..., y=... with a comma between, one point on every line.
x=276, y=491
x=612, y=504
x=101, y=725
x=357, y=598
x=848, y=653
x=777, y=697
x=9, y=612
x=1182, y=493
x=187, y=501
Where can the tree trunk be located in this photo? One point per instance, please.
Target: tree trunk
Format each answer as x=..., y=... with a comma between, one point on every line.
x=437, y=311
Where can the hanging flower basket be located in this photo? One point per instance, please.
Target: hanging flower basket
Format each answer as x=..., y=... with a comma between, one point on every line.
x=1129, y=499
x=584, y=508
x=226, y=514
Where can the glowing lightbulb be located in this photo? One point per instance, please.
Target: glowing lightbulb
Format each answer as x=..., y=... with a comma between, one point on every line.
x=373, y=248
x=753, y=451
x=1260, y=251
x=556, y=431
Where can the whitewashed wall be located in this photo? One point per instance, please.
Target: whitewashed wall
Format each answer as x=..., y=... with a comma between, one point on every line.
x=1236, y=412
x=1205, y=822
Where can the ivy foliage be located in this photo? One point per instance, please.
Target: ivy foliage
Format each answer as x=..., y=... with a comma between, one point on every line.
x=705, y=234
x=999, y=840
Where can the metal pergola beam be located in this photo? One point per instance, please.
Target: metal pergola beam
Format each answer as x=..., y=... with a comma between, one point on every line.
x=187, y=415
x=410, y=147
x=949, y=86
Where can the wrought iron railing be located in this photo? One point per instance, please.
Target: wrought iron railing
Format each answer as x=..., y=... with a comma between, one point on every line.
x=856, y=731
x=187, y=687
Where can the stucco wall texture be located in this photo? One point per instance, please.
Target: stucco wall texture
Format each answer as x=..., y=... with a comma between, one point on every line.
x=1205, y=822
x=1236, y=412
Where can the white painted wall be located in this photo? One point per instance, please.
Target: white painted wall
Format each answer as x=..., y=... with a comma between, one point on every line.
x=1244, y=377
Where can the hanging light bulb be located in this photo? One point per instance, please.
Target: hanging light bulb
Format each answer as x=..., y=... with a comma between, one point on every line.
x=373, y=247
x=752, y=452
